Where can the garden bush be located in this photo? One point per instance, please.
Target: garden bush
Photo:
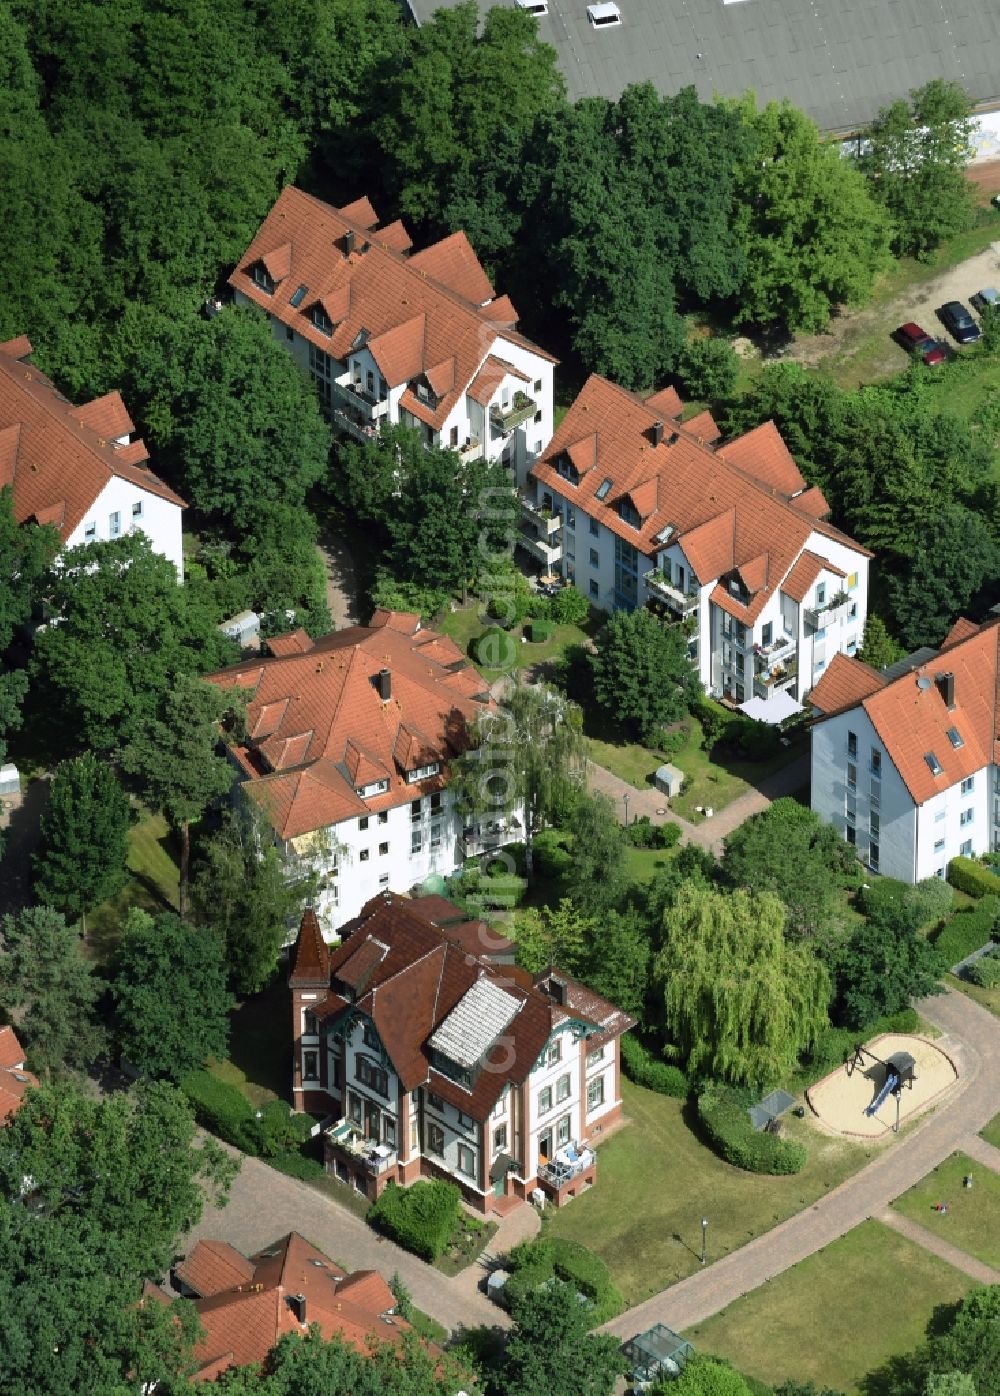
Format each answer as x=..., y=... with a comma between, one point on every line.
x=496, y=649
x=643, y=833
x=836, y=1045
x=301, y=1166
x=646, y=1070
x=722, y=1111
x=670, y=740
x=537, y=1262
x=552, y=857
x=421, y=1218
x=220, y=1108
x=986, y=972
x=968, y=930
x=570, y=606
x=540, y=631
x=971, y=877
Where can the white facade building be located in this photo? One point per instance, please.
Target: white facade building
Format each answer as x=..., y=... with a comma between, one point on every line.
x=637, y=509
x=393, y=336
x=902, y=763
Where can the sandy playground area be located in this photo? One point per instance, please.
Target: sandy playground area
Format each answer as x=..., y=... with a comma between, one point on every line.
x=840, y=1099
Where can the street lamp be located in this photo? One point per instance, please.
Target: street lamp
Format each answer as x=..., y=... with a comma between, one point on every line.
x=704, y=1239
x=625, y=798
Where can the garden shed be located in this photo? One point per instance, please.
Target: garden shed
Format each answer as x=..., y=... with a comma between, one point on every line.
x=669, y=779
x=659, y=1352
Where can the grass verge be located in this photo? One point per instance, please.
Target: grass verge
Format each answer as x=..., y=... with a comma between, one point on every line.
x=825, y=1320
x=657, y=1179
x=260, y=1036
x=972, y=1221
x=154, y=885
x=992, y=1132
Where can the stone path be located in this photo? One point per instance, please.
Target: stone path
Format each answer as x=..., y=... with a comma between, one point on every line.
x=972, y=1039
x=341, y=583
x=982, y=1152
x=961, y=1260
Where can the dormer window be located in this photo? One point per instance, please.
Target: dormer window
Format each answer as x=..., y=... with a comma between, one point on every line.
x=568, y=471
x=375, y=787
x=955, y=737
x=262, y=278
x=423, y=772
x=321, y=320
x=629, y=514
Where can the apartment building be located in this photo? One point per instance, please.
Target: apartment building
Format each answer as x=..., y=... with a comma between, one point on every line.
x=79, y=468
x=349, y=739
x=904, y=762
x=438, y=1061
x=637, y=509
x=388, y=334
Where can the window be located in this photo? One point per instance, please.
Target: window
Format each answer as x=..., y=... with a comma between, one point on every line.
x=370, y=1037
x=968, y=784
x=376, y=1078
x=90, y=532
x=363, y=823
x=383, y=880
x=435, y=803
x=604, y=15
x=876, y=763
x=310, y=1025
x=435, y=1140
x=568, y=471
x=629, y=514
x=563, y=1129
x=595, y=1093
x=501, y=1106
x=594, y=589
x=852, y=611
x=595, y=528
x=466, y=1161
x=873, y=856
x=850, y=834
x=363, y=856
x=555, y=1053
x=821, y=594
x=310, y=1065
x=416, y=841
x=384, y=817
x=114, y=524
x=415, y=808
x=938, y=845
x=563, y=1088
x=766, y=634
x=355, y=1108
x=940, y=874
x=321, y=320
x=500, y=1137
x=966, y=817
x=454, y=437
x=873, y=825
x=595, y=558
x=435, y=836
x=422, y=772
x=137, y=509
x=852, y=776
x=289, y=332
x=435, y=1101
x=966, y=849
x=545, y=1100
x=383, y=849
x=955, y=737
x=852, y=645
x=389, y=1131
x=939, y=816
x=597, y=1055
x=570, y=517
x=538, y=385
x=875, y=794
x=465, y=1121
x=933, y=763
x=262, y=278
x=851, y=812
x=852, y=745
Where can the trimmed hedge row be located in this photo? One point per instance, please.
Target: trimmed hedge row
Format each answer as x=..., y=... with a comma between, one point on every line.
x=421, y=1218
x=537, y=1262
x=986, y=972
x=225, y=1111
x=540, y=630
x=645, y=1070
x=971, y=877
x=722, y=1111
x=968, y=930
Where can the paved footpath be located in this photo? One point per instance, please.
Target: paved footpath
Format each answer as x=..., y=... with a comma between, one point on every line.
x=972, y=1038
x=961, y=1260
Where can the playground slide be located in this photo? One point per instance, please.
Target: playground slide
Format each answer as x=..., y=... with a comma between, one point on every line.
x=891, y=1082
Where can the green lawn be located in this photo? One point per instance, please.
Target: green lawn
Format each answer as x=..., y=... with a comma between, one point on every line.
x=972, y=1221
x=992, y=1132
x=656, y=1180
x=641, y=863
x=154, y=885
x=838, y=1315
x=464, y=626
x=989, y=998
x=260, y=1047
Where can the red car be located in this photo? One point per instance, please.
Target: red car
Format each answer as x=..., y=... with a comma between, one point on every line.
x=917, y=341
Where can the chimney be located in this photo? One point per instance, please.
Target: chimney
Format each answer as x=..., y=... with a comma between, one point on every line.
x=946, y=687
x=348, y=242
x=384, y=682
x=297, y=1303
x=656, y=433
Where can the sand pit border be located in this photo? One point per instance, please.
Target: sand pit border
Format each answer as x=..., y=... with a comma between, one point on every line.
x=887, y=1131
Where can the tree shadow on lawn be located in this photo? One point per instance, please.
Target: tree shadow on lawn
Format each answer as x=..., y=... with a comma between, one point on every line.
x=261, y=1038
x=897, y=1374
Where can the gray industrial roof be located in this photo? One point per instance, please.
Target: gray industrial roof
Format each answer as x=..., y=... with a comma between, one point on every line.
x=839, y=60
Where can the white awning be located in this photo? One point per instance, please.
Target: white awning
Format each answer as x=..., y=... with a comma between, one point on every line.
x=777, y=708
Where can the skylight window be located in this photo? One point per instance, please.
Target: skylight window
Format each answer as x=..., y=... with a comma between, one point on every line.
x=955, y=737
x=299, y=296
x=605, y=486
x=933, y=763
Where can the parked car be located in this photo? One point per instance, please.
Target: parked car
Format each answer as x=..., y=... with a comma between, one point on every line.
x=917, y=341
x=987, y=296
x=959, y=322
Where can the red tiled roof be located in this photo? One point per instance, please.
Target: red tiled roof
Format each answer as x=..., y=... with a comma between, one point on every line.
x=845, y=683
x=813, y=501
x=723, y=516
x=11, y=1051
x=804, y=573
x=244, y=1321
x=214, y=1266
x=961, y=630
x=312, y=959
x=489, y=378
x=51, y=452
x=15, y=1079
x=666, y=402
x=501, y=312
x=408, y=965
x=319, y=731
x=417, y=311
x=704, y=426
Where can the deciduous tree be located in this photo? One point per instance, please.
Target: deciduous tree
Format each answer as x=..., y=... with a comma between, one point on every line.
x=80, y=860
x=551, y=1350
x=643, y=677
x=301, y=1366
x=49, y=990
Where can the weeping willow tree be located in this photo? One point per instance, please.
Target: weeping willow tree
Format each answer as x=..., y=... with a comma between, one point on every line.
x=741, y=1002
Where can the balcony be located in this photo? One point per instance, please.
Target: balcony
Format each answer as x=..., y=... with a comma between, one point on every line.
x=521, y=409
x=766, y=683
x=356, y=411
x=548, y=550
x=778, y=649
x=545, y=521
x=472, y=450
x=374, y=1157
x=824, y=617
x=570, y=1172
x=485, y=837
x=685, y=603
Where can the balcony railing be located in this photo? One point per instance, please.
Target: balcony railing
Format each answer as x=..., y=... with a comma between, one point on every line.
x=481, y=838
x=776, y=650
x=568, y=1163
x=547, y=551
x=545, y=520
x=521, y=409
x=823, y=617
x=472, y=450
x=349, y=1137
x=765, y=684
x=683, y=602
x=355, y=396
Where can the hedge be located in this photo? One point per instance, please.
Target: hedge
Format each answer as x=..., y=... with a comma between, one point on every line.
x=226, y=1112
x=538, y=1262
x=643, y=833
x=540, y=630
x=971, y=877
x=722, y=1111
x=570, y=606
x=495, y=648
x=986, y=972
x=644, y=1069
x=836, y=1045
x=297, y=1166
x=422, y=1217
x=968, y=930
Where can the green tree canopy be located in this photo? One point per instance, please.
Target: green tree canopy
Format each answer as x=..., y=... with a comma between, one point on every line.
x=83, y=840
x=308, y=1366
x=884, y=965
x=26, y=554
x=705, y=1376
x=740, y=1000
x=49, y=990
x=551, y=1350
x=172, y=1002
x=643, y=677
x=125, y=633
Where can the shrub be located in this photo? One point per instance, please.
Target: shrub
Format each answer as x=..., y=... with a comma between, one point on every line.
x=968, y=930
x=300, y=1166
x=722, y=1111
x=538, y=1262
x=643, y=833
x=708, y=368
x=570, y=606
x=985, y=972
x=970, y=877
x=552, y=857
x=670, y=741
x=645, y=1070
x=540, y=630
x=496, y=649
x=421, y=1218
x=835, y=1046
x=220, y=1108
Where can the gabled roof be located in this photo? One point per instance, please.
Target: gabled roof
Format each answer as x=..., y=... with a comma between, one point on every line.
x=845, y=683
x=419, y=311
x=804, y=573
x=319, y=731
x=15, y=1078
x=57, y=457
x=412, y=967
x=214, y=1266
x=728, y=507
